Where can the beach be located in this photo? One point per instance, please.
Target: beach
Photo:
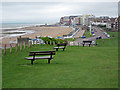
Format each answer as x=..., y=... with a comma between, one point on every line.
x=39, y=31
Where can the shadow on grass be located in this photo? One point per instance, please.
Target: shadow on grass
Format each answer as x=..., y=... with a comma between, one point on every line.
x=42, y=63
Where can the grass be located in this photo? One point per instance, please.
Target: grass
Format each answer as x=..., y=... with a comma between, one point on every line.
x=0, y=69
x=76, y=67
x=87, y=34
x=70, y=39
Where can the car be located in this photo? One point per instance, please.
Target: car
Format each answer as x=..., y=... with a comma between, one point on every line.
x=99, y=37
x=92, y=32
x=38, y=41
x=83, y=37
x=108, y=35
x=93, y=35
x=105, y=33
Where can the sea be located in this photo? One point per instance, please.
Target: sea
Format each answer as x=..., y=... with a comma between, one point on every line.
x=7, y=26
x=15, y=29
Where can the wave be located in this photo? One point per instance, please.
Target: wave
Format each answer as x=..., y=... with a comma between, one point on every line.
x=16, y=26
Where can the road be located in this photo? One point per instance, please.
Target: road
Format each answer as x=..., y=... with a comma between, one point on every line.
x=98, y=32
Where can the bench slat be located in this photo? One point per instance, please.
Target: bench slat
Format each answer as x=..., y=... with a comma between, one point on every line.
x=32, y=53
x=59, y=47
x=30, y=58
x=36, y=54
x=41, y=51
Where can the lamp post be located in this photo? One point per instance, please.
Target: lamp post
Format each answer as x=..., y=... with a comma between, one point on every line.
x=90, y=28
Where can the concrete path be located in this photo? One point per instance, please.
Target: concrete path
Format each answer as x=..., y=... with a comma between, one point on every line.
x=79, y=33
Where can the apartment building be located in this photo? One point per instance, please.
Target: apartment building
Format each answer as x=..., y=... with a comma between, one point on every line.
x=112, y=23
x=64, y=20
x=77, y=21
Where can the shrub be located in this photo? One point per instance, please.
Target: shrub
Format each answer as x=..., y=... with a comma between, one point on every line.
x=45, y=39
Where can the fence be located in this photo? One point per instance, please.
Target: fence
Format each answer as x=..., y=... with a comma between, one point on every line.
x=75, y=43
x=24, y=46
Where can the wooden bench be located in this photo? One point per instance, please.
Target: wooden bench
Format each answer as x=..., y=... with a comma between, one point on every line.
x=61, y=46
x=88, y=42
x=40, y=55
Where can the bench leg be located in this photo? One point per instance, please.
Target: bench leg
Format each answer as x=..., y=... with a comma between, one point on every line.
x=63, y=49
x=56, y=49
x=32, y=62
x=48, y=61
x=83, y=45
x=89, y=45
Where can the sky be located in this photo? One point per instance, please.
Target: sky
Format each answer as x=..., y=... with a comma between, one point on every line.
x=51, y=12
x=119, y=9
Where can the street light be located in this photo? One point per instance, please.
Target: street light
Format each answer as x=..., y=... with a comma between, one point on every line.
x=90, y=28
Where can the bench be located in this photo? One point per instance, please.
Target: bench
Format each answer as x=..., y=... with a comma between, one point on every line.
x=40, y=55
x=88, y=42
x=61, y=46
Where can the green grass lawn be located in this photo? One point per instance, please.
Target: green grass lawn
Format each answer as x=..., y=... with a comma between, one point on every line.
x=87, y=34
x=70, y=39
x=0, y=68
x=76, y=67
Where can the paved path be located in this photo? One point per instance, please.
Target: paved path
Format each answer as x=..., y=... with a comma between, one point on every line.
x=79, y=34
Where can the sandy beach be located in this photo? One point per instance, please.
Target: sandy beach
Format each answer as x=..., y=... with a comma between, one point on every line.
x=40, y=31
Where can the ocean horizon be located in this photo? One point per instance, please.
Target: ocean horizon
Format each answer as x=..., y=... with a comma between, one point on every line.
x=7, y=26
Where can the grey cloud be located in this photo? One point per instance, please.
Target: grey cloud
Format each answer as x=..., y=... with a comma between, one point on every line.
x=52, y=11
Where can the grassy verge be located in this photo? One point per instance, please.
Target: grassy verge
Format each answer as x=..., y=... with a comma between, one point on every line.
x=76, y=67
x=70, y=39
x=87, y=34
x=0, y=68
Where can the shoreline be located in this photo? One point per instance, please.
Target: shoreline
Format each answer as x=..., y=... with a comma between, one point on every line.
x=39, y=31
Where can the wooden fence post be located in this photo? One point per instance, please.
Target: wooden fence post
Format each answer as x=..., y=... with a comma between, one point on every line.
x=36, y=42
x=69, y=43
x=43, y=43
x=29, y=43
x=40, y=42
x=73, y=43
x=16, y=47
x=50, y=42
x=78, y=43
x=33, y=42
x=5, y=49
x=20, y=47
x=58, y=42
x=24, y=45
x=47, y=43
x=10, y=48
x=53, y=43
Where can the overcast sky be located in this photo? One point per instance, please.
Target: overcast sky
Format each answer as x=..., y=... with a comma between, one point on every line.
x=50, y=12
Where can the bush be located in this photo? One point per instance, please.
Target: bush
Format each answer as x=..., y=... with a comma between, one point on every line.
x=45, y=39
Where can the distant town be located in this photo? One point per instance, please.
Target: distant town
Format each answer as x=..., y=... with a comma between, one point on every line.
x=85, y=21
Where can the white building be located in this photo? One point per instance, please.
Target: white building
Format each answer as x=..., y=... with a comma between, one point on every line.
x=108, y=25
x=77, y=21
x=85, y=19
x=64, y=20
